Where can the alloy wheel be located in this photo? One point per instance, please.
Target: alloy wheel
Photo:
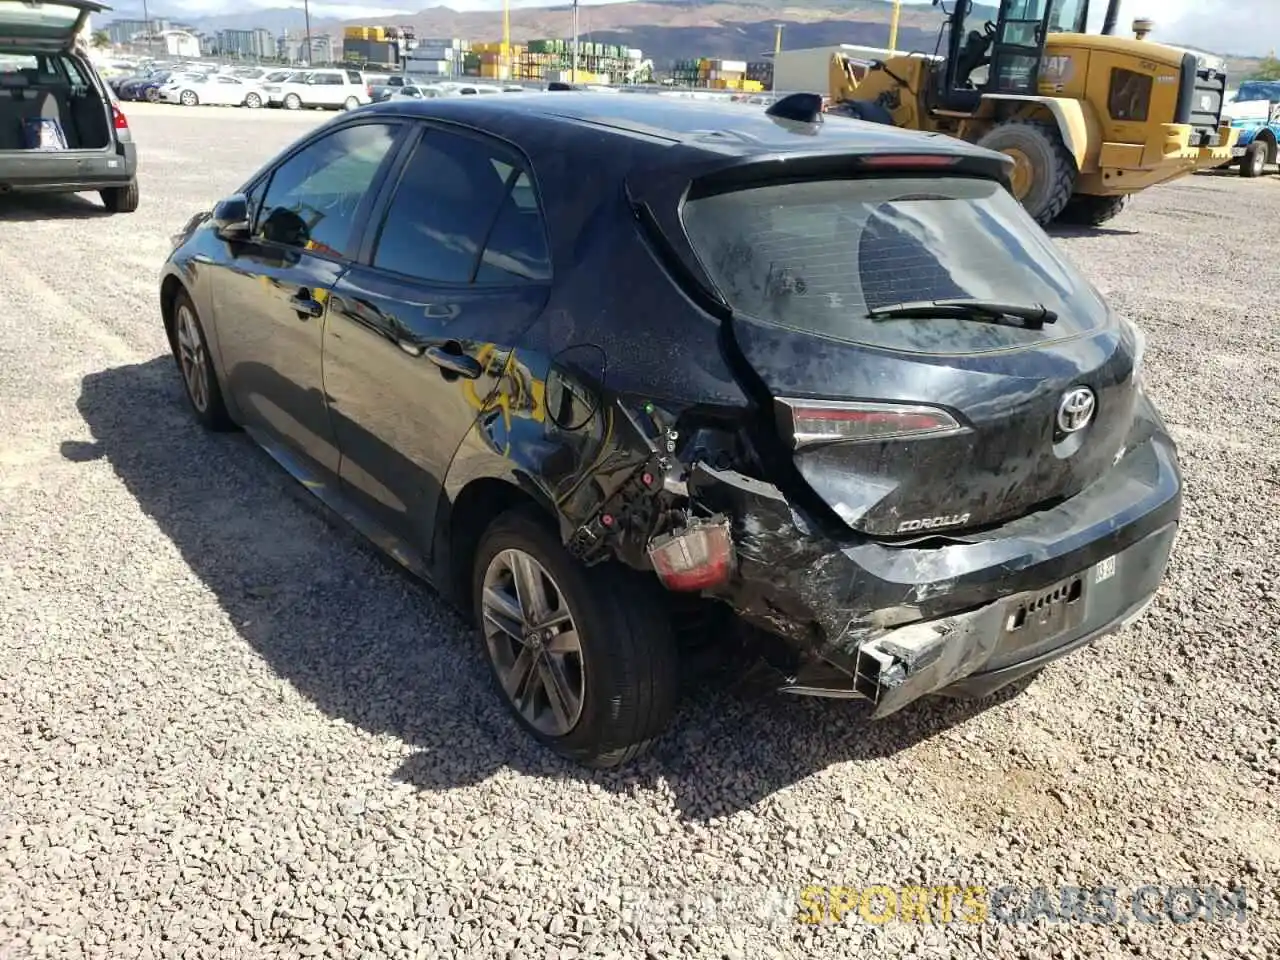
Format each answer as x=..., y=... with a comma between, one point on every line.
x=533, y=642
x=188, y=98
x=192, y=359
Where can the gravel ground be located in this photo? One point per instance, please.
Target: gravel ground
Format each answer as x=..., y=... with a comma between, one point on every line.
x=227, y=728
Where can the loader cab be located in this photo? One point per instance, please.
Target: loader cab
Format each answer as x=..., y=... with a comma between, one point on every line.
x=1000, y=56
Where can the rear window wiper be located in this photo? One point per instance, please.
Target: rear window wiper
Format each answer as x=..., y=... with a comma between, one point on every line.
x=1034, y=316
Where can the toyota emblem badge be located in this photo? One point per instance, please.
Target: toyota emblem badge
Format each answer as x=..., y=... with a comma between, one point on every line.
x=1075, y=409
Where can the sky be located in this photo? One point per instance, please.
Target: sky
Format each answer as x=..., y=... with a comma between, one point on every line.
x=1248, y=27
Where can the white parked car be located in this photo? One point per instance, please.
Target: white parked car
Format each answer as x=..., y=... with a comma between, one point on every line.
x=170, y=90
x=333, y=89
x=217, y=89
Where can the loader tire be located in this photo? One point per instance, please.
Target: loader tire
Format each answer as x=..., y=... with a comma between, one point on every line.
x=1046, y=170
x=1088, y=211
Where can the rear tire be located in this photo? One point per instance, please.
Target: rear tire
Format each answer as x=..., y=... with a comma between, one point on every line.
x=1052, y=167
x=153, y=95
x=351, y=103
x=1090, y=211
x=195, y=365
x=293, y=102
x=188, y=98
x=253, y=101
x=1254, y=162
x=121, y=199
x=629, y=681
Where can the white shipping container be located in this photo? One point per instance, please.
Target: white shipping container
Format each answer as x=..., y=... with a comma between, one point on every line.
x=435, y=53
x=439, y=67
x=635, y=55
x=729, y=66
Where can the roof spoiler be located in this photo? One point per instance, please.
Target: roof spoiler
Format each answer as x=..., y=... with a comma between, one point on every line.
x=799, y=107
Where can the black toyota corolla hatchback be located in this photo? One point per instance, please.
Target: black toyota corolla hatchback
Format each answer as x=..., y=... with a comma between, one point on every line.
x=593, y=364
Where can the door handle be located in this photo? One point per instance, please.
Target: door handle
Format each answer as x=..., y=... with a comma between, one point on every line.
x=306, y=307
x=452, y=361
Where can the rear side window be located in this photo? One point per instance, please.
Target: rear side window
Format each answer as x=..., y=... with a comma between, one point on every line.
x=816, y=256
x=455, y=199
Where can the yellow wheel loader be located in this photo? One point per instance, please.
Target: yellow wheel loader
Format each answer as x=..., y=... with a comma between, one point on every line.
x=1087, y=120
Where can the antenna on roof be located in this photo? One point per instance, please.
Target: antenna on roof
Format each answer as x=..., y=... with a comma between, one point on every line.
x=800, y=107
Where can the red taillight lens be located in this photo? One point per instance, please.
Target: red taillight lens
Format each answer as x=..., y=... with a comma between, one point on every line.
x=118, y=117
x=812, y=422
x=697, y=557
x=911, y=161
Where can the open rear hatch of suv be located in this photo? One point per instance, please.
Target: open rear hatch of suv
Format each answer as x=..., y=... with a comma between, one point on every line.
x=50, y=99
x=932, y=363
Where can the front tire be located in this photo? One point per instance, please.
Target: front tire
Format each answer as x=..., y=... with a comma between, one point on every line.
x=583, y=657
x=1045, y=171
x=188, y=98
x=253, y=101
x=351, y=103
x=1254, y=162
x=121, y=199
x=1090, y=211
x=293, y=102
x=195, y=364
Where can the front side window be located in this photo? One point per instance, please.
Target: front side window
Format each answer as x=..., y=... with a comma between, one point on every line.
x=462, y=214
x=818, y=256
x=312, y=198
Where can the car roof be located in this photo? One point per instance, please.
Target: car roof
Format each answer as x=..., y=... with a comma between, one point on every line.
x=705, y=126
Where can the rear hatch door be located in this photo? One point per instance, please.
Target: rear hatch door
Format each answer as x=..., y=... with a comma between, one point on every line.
x=44, y=26
x=916, y=421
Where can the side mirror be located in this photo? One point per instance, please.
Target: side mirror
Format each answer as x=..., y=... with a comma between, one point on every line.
x=231, y=218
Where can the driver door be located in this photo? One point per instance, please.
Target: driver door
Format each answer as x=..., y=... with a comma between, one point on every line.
x=1020, y=36
x=272, y=293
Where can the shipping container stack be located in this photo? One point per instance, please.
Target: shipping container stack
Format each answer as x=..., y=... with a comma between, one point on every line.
x=439, y=57
x=551, y=60
x=496, y=59
x=737, y=75
x=761, y=71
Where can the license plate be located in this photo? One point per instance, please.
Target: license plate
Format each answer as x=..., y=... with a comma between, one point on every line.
x=1104, y=570
x=1047, y=614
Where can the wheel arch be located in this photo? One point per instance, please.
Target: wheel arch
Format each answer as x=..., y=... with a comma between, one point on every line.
x=1075, y=121
x=463, y=513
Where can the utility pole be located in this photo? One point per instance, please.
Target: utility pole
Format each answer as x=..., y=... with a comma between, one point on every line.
x=506, y=38
x=777, y=39
x=573, y=75
x=893, y=26
x=146, y=17
x=306, y=13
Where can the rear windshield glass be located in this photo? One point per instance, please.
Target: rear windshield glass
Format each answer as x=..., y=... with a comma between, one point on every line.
x=817, y=255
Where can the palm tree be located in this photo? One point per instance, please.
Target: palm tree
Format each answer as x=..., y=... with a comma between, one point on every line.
x=100, y=40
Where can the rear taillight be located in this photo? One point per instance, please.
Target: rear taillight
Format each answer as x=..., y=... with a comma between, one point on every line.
x=811, y=422
x=696, y=557
x=118, y=118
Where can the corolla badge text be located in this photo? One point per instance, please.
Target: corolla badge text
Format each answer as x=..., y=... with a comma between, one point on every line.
x=933, y=523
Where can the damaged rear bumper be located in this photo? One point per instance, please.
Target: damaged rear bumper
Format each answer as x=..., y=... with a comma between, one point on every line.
x=961, y=616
